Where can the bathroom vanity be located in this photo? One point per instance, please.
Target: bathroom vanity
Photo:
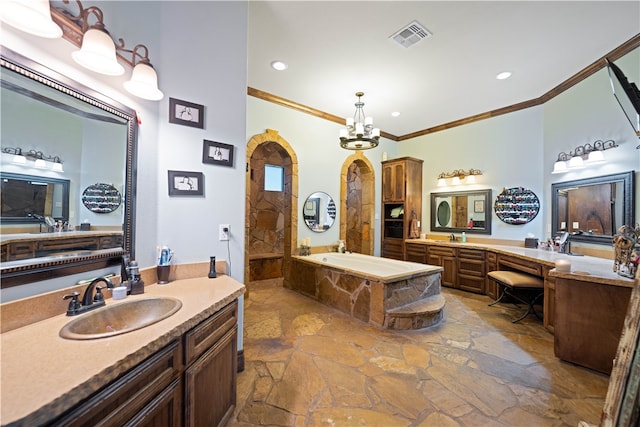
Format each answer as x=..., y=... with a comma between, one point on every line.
x=584, y=308
x=179, y=371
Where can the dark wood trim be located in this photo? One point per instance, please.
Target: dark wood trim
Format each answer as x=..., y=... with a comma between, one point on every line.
x=256, y=93
x=591, y=69
x=240, y=360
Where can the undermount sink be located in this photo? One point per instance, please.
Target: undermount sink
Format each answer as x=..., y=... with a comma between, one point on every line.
x=120, y=318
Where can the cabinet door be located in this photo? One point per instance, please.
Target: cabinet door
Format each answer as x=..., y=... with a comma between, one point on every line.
x=210, y=384
x=549, y=305
x=392, y=248
x=449, y=274
x=448, y=264
x=398, y=181
x=163, y=411
x=490, y=287
x=393, y=182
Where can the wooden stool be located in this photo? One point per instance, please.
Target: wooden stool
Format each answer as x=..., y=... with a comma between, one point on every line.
x=512, y=281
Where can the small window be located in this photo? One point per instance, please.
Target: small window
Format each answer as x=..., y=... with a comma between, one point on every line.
x=273, y=178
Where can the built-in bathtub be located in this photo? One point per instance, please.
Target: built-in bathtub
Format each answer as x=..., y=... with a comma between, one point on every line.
x=384, y=292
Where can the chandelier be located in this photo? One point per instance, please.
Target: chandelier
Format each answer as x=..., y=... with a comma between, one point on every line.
x=359, y=133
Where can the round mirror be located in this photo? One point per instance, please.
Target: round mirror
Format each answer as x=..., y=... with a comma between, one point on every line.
x=319, y=212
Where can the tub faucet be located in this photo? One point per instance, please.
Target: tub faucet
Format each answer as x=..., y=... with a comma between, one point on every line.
x=89, y=300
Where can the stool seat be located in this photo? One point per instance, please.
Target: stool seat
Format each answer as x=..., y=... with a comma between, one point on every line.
x=514, y=281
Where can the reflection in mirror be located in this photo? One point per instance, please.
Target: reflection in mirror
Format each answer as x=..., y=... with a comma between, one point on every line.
x=319, y=212
x=461, y=211
x=94, y=138
x=29, y=198
x=593, y=209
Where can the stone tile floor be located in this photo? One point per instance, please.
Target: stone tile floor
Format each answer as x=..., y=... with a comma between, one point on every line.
x=307, y=364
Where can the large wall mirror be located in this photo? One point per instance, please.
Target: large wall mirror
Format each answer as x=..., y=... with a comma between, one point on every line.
x=593, y=209
x=468, y=211
x=51, y=116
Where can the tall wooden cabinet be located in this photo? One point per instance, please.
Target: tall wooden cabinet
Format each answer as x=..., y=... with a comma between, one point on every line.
x=401, y=201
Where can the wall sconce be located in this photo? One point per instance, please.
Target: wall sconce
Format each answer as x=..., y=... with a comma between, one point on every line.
x=582, y=156
x=457, y=176
x=98, y=52
x=40, y=159
x=30, y=16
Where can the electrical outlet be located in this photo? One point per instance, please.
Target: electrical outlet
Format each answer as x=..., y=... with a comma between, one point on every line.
x=224, y=232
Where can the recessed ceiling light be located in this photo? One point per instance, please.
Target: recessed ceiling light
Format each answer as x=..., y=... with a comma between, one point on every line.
x=395, y=114
x=503, y=75
x=279, y=65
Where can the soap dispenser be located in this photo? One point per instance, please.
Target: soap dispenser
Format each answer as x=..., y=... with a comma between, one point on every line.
x=137, y=284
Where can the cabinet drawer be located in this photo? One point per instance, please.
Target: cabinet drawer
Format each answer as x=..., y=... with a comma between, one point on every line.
x=392, y=248
x=491, y=257
x=86, y=243
x=471, y=254
x=416, y=252
x=21, y=250
x=471, y=283
x=471, y=267
x=123, y=399
x=202, y=337
x=520, y=265
x=442, y=250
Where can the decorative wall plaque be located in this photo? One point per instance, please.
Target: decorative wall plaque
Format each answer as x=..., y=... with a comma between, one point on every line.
x=101, y=198
x=516, y=205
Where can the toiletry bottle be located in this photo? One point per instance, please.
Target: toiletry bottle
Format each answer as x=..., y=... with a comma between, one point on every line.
x=464, y=237
x=341, y=247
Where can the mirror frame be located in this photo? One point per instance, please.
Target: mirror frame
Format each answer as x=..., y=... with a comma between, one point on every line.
x=37, y=269
x=488, y=208
x=628, y=207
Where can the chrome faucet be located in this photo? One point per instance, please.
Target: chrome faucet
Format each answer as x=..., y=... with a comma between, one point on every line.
x=452, y=237
x=89, y=300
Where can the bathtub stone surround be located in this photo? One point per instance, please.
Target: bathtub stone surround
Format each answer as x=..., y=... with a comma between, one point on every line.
x=402, y=303
x=23, y=312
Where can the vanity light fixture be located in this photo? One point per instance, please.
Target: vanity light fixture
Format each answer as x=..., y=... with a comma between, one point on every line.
x=582, y=156
x=30, y=16
x=41, y=160
x=98, y=52
x=458, y=176
x=359, y=133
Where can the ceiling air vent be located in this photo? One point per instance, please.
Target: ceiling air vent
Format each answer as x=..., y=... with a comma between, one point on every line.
x=411, y=34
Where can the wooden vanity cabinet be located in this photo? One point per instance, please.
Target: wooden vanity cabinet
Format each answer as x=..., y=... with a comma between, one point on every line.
x=401, y=201
x=190, y=382
x=444, y=257
x=471, y=273
x=149, y=394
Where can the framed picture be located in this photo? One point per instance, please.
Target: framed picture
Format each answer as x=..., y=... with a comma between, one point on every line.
x=186, y=113
x=478, y=206
x=183, y=183
x=217, y=153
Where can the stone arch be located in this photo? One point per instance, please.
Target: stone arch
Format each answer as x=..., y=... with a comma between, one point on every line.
x=270, y=233
x=357, y=199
